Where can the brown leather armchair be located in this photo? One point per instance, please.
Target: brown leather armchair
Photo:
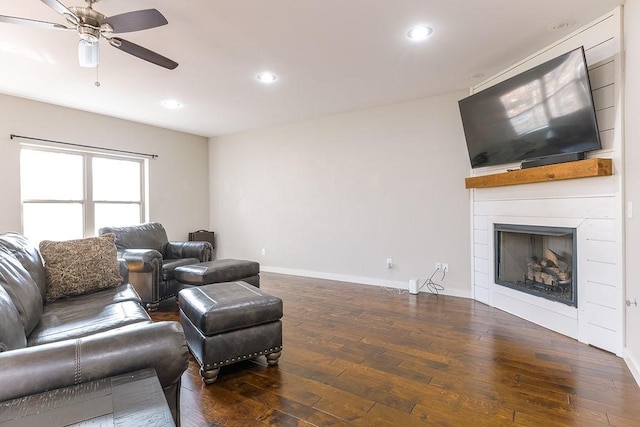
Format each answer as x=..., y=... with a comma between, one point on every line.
x=151, y=259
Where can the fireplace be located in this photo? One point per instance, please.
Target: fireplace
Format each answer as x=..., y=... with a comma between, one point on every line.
x=537, y=260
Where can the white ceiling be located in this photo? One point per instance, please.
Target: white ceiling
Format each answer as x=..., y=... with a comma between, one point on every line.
x=330, y=56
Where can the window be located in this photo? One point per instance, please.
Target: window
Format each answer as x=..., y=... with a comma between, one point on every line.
x=70, y=195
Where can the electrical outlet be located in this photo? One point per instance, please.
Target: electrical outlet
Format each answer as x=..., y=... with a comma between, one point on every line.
x=438, y=266
x=445, y=267
x=264, y=251
x=389, y=263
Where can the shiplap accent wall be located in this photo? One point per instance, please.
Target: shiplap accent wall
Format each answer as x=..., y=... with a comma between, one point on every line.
x=592, y=205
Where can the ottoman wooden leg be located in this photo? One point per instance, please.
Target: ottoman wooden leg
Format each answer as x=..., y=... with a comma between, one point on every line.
x=272, y=358
x=210, y=376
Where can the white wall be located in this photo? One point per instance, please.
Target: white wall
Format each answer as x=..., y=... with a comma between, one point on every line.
x=632, y=156
x=335, y=197
x=178, y=178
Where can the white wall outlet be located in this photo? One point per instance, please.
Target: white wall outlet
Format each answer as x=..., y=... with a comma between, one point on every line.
x=264, y=251
x=389, y=263
x=445, y=267
x=438, y=266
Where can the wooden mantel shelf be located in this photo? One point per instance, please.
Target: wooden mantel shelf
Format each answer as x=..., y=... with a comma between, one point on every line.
x=570, y=170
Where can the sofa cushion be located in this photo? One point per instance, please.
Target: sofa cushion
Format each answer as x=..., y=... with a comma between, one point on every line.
x=76, y=267
x=12, y=334
x=24, y=292
x=169, y=265
x=217, y=271
x=104, y=297
x=70, y=318
x=29, y=256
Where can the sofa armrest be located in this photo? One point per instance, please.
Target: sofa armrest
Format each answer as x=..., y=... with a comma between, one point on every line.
x=141, y=260
x=144, y=272
x=192, y=249
x=160, y=345
x=124, y=269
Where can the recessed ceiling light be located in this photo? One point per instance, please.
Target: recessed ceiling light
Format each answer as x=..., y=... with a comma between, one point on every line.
x=419, y=33
x=266, y=77
x=171, y=104
x=561, y=25
x=475, y=76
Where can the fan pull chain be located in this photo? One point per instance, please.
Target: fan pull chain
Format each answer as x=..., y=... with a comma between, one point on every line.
x=97, y=83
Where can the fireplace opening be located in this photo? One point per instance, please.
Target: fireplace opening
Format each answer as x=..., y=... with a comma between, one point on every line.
x=537, y=260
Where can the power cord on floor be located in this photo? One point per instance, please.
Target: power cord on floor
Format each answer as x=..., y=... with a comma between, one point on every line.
x=433, y=287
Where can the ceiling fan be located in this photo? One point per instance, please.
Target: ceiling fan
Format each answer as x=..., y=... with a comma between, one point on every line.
x=92, y=25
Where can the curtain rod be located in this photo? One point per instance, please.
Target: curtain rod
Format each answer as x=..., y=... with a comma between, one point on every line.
x=153, y=156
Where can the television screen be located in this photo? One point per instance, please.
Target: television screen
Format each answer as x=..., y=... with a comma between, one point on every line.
x=545, y=111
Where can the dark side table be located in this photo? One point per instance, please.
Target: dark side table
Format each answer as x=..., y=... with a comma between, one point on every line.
x=132, y=399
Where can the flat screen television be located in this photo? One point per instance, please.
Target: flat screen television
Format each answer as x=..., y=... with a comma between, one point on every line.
x=542, y=116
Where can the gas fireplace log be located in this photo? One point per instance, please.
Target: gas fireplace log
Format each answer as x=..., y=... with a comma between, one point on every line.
x=547, y=271
x=552, y=256
x=547, y=263
x=547, y=278
x=558, y=260
x=554, y=271
x=532, y=264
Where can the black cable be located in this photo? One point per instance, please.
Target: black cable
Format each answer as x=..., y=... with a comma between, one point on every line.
x=433, y=287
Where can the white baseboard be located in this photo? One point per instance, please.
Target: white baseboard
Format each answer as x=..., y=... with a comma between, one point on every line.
x=633, y=365
x=395, y=284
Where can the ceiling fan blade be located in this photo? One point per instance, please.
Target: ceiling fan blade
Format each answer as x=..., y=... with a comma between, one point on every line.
x=142, y=53
x=33, y=23
x=62, y=10
x=135, y=21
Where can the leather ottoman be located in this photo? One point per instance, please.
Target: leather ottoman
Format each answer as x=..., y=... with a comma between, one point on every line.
x=217, y=271
x=229, y=322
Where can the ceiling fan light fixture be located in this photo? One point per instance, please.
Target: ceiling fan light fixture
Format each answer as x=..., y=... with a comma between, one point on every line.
x=89, y=33
x=92, y=25
x=71, y=18
x=88, y=53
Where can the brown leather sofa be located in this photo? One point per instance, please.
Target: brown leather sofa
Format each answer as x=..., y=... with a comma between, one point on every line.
x=48, y=345
x=151, y=259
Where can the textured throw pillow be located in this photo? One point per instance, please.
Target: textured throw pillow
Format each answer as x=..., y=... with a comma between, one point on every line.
x=76, y=267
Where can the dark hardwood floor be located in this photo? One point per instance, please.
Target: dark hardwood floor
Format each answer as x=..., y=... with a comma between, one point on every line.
x=365, y=355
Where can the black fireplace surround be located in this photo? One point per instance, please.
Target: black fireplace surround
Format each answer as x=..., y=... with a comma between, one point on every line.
x=537, y=260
